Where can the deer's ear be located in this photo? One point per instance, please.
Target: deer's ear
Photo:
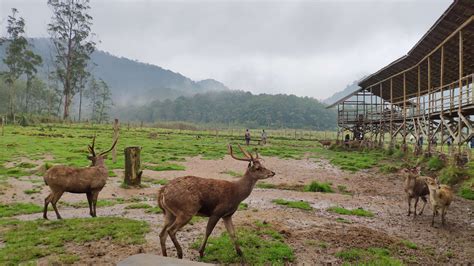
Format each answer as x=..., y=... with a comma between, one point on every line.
x=250, y=165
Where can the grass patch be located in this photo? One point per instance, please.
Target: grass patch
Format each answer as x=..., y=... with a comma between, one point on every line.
x=154, y=210
x=293, y=204
x=138, y=206
x=26, y=165
x=26, y=241
x=156, y=181
x=31, y=191
x=85, y=204
x=166, y=167
x=467, y=189
x=315, y=186
x=370, y=256
x=8, y=210
x=409, y=244
x=389, y=168
x=243, y=206
x=265, y=185
x=342, y=220
x=232, y=173
x=260, y=247
x=357, y=212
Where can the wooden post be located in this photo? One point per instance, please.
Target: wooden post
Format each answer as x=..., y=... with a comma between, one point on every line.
x=441, y=81
x=381, y=114
x=460, y=91
x=429, y=105
x=391, y=113
x=116, y=135
x=133, y=174
x=3, y=126
x=404, y=112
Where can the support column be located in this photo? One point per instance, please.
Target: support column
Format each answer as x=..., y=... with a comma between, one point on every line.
x=381, y=131
x=441, y=82
x=460, y=91
x=404, y=111
x=429, y=105
x=391, y=112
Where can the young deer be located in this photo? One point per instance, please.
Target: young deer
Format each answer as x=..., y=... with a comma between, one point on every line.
x=441, y=197
x=415, y=188
x=187, y=196
x=325, y=143
x=89, y=180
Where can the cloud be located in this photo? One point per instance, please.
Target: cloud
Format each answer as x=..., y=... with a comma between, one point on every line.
x=310, y=48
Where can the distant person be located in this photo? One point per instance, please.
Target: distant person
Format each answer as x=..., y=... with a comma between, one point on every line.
x=247, y=137
x=472, y=143
x=420, y=141
x=449, y=141
x=264, y=137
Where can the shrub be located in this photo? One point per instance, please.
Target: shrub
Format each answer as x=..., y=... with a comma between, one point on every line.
x=451, y=175
x=315, y=186
x=435, y=164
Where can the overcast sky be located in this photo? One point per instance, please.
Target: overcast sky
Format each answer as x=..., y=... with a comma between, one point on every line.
x=307, y=48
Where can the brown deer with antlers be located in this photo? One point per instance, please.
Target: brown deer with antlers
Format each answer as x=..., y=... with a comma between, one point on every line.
x=187, y=196
x=89, y=180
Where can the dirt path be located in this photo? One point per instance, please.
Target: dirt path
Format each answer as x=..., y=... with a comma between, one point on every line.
x=383, y=195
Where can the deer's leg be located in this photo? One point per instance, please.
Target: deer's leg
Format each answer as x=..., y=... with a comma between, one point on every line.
x=416, y=204
x=95, y=195
x=47, y=200
x=169, y=219
x=210, y=226
x=54, y=200
x=424, y=204
x=89, y=200
x=434, y=214
x=409, y=205
x=178, y=223
x=230, y=229
x=443, y=215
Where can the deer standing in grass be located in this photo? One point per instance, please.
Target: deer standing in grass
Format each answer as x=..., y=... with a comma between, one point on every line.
x=187, y=196
x=89, y=180
x=441, y=197
x=415, y=188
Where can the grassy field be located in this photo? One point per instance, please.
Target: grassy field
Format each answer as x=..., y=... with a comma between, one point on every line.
x=26, y=151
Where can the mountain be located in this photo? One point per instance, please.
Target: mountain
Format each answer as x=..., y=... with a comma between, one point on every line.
x=236, y=108
x=340, y=94
x=129, y=79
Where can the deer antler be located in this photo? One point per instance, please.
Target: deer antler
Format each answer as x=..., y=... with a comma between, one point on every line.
x=113, y=145
x=247, y=154
x=240, y=159
x=91, y=148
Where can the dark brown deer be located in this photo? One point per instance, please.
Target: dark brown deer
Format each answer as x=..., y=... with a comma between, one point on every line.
x=187, y=196
x=415, y=188
x=89, y=180
x=325, y=143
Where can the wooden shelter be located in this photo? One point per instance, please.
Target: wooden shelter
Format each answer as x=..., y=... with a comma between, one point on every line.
x=428, y=92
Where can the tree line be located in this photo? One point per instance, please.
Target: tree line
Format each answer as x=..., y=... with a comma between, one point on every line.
x=237, y=108
x=69, y=75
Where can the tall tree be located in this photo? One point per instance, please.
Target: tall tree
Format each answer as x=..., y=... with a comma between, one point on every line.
x=30, y=63
x=14, y=58
x=100, y=100
x=70, y=30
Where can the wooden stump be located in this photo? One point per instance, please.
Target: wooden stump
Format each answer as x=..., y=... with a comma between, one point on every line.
x=133, y=174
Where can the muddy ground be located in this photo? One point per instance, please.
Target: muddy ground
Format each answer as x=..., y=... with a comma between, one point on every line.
x=381, y=194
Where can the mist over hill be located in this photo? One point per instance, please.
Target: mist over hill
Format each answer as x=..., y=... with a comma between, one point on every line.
x=129, y=79
x=237, y=108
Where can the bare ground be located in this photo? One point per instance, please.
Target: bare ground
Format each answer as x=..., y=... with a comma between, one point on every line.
x=304, y=230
